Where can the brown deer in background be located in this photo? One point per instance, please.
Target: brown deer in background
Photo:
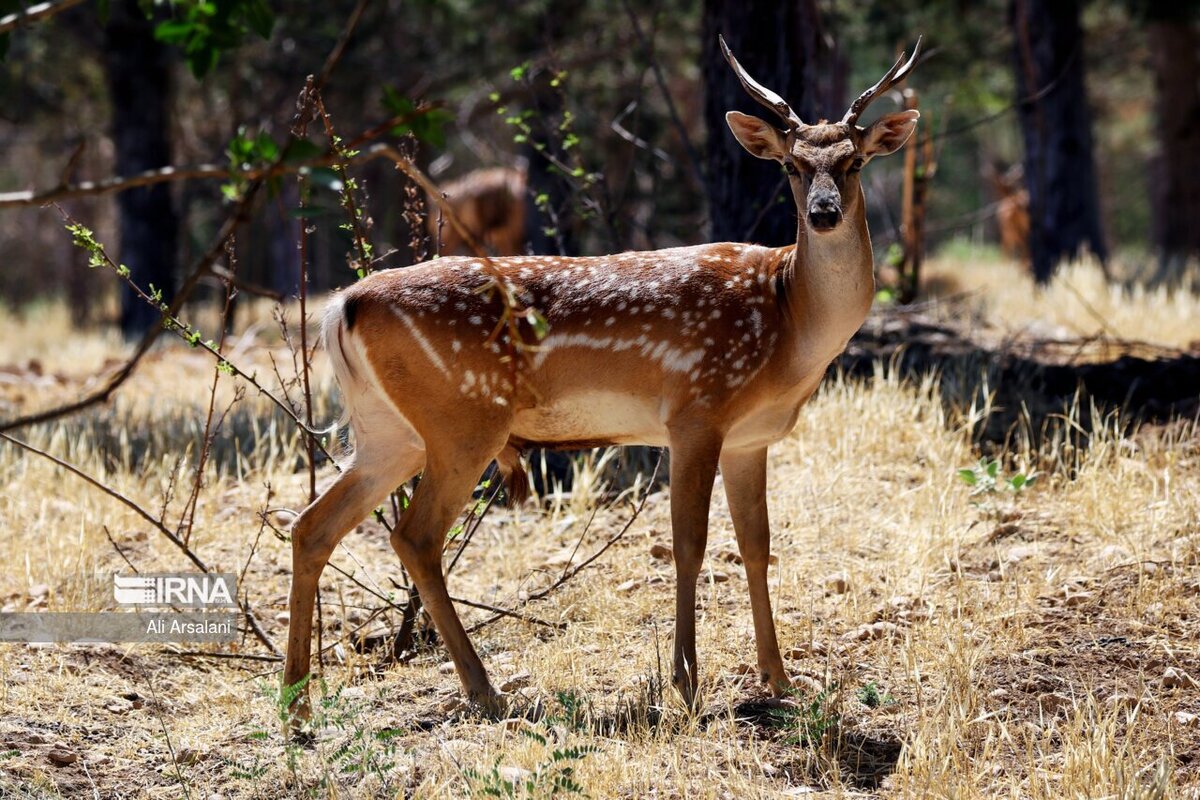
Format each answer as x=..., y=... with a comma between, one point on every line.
x=491, y=205
x=709, y=350
x=1012, y=210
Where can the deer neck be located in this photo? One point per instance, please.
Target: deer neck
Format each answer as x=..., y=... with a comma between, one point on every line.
x=829, y=284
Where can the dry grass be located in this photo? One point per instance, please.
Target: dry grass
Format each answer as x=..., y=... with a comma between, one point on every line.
x=1018, y=648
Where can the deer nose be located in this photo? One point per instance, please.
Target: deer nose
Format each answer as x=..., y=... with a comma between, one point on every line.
x=824, y=215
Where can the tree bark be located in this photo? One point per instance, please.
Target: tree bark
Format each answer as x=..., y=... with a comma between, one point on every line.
x=1056, y=125
x=139, y=86
x=777, y=43
x=1174, y=46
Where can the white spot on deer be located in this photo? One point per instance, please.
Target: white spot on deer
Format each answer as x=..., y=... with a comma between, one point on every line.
x=756, y=321
x=460, y=306
x=716, y=314
x=608, y=323
x=475, y=320
x=456, y=345
x=668, y=313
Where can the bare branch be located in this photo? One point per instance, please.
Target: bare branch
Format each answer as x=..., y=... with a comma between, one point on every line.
x=35, y=13
x=36, y=197
x=146, y=515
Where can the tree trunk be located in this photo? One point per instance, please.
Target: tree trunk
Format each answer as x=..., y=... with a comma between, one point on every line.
x=1176, y=194
x=1056, y=125
x=139, y=87
x=748, y=199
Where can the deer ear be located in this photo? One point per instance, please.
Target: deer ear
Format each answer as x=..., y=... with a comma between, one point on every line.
x=761, y=139
x=888, y=134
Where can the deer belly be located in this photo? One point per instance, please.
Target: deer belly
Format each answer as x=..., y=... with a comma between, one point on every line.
x=591, y=419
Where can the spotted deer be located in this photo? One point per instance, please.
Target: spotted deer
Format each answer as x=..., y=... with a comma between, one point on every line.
x=490, y=203
x=708, y=350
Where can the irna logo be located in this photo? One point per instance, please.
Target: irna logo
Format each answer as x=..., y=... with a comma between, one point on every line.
x=177, y=590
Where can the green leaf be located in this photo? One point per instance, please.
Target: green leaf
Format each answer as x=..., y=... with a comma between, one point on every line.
x=301, y=150
x=1017, y=482
x=259, y=18
x=968, y=476
x=993, y=468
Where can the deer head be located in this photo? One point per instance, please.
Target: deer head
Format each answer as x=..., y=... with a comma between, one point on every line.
x=823, y=160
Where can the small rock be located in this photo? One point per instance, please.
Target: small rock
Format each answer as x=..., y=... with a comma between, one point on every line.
x=187, y=756
x=451, y=705
x=629, y=585
x=39, y=590
x=446, y=667
x=513, y=723
x=998, y=694
x=661, y=552
x=1122, y=702
x=518, y=681
x=1053, y=702
x=807, y=649
x=1177, y=679
x=514, y=774
x=62, y=758
x=283, y=617
x=837, y=583
x=1074, y=599
x=719, y=577
x=1185, y=719
x=732, y=556
x=36, y=738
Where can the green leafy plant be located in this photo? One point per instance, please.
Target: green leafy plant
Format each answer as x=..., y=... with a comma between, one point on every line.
x=428, y=125
x=203, y=29
x=554, y=776
x=807, y=722
x=986, y=478
x=871, y=696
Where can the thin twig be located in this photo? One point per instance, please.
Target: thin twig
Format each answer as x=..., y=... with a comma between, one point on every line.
x=680, y=129
x=121, y=183
x=35, y=13
x=569, y=574
x=146, y=515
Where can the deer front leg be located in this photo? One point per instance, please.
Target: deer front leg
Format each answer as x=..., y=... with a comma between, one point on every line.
x=694, y=456
x=745, y=477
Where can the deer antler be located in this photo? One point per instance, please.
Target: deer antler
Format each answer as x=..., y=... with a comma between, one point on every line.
x=897, y=73
x=761, y=93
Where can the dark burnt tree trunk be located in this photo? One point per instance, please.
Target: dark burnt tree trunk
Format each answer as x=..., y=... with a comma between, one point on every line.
x=139, y=86
x=1174, y=42
x=1056, y=125
x=777, y=43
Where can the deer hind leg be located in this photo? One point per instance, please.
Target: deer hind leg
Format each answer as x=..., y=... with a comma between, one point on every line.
x=418, y=539
x=745, y=476
x=376, y=469
x=694, y=456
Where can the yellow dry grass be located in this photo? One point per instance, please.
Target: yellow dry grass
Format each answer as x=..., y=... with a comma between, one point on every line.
x=945, y=644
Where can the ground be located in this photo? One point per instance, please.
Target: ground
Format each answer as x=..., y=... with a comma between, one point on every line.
x=947, y=639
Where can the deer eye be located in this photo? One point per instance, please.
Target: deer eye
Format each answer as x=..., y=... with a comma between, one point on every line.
x=789, y=167
x=855, y=165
